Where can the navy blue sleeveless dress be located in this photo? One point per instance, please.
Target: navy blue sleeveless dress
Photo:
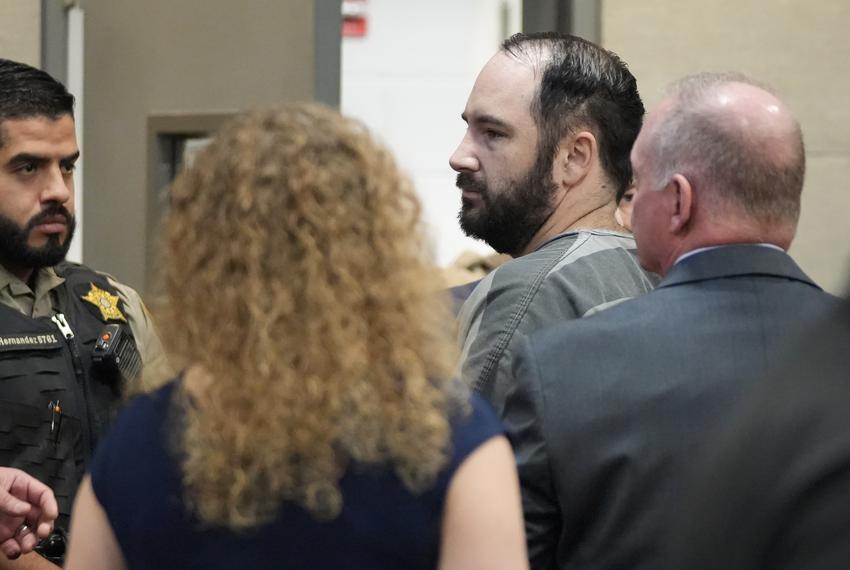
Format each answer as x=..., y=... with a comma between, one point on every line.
x=382, y=525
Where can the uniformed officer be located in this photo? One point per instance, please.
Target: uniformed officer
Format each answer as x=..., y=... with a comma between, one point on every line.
x=70, y=338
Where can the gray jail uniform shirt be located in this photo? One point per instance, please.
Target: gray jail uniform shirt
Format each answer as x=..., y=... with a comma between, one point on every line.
x=572, y=275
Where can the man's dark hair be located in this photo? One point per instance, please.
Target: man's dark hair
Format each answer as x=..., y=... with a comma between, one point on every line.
x=29, y=92
x=582, y=86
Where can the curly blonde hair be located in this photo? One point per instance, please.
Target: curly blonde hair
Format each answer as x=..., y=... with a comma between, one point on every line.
x=299, y=296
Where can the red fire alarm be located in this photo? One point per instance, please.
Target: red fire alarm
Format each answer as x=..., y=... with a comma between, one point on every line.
x=354, y=18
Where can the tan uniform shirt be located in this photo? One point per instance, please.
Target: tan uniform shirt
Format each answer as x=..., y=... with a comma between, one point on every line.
x=16, y=294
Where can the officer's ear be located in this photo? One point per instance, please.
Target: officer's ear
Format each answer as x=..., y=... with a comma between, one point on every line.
x=576, y=154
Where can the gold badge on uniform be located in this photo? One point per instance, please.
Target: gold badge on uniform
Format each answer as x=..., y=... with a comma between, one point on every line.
x=107, y=303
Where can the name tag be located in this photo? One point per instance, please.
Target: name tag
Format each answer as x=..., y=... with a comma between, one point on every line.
x=29, y=341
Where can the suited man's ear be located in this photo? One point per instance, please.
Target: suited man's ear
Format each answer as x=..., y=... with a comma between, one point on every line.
x=576, y=154
x=681, y=196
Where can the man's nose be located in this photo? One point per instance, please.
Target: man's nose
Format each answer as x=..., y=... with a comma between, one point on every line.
x=463, y=159
x=58, y=187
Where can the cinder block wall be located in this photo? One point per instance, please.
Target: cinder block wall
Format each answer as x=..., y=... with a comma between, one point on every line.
x=800, y=48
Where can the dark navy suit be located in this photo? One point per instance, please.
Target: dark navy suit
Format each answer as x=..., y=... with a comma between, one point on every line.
x=609, y=411
x=773, y=490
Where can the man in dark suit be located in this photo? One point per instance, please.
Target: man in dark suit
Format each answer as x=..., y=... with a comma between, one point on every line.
x=774, y=489
x=609, y=411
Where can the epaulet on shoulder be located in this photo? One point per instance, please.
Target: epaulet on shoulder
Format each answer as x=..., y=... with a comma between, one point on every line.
x=65, y=264
x=66, y=268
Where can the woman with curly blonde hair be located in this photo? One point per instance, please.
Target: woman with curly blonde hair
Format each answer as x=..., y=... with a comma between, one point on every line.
x=316, y=424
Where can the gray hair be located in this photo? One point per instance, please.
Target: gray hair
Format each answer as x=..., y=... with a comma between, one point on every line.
x=729, y=159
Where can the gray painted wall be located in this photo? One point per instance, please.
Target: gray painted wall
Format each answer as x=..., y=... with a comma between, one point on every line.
x=800, y=49
x=20, y=31
x=164, y=57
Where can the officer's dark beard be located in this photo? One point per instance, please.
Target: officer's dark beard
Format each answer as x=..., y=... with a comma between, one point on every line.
x=16, y=253
x=512, y=214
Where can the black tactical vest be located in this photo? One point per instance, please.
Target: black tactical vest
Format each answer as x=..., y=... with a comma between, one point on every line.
x=55, y=404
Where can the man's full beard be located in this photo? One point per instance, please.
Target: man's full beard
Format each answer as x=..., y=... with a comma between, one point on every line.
x=15, y=252
x=510, y=215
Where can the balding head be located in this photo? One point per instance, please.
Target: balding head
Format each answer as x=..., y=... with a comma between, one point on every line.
x=719, y=161
x=734, y=140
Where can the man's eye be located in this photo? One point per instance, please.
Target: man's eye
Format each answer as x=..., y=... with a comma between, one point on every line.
x=27, y=168
x=69, y=168
x=491, y=134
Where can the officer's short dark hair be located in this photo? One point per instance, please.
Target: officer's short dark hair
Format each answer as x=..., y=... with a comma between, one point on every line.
x=29, y=92
x=582, y=86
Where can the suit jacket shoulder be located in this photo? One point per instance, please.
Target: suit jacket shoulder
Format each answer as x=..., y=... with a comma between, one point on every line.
x=625, y=398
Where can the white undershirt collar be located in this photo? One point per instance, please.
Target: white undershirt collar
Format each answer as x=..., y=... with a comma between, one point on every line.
x=702, y=249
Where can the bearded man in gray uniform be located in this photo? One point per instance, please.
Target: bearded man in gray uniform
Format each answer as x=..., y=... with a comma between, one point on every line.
x=551, y=121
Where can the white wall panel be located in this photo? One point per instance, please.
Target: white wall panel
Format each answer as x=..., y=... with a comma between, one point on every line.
x=408, y=79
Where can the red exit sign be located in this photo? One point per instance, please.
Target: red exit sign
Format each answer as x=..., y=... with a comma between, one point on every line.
x=354, y=18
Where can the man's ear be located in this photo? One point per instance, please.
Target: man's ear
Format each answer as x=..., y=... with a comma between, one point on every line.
x=576, y=153
x=681, y=202
x=618, y=215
